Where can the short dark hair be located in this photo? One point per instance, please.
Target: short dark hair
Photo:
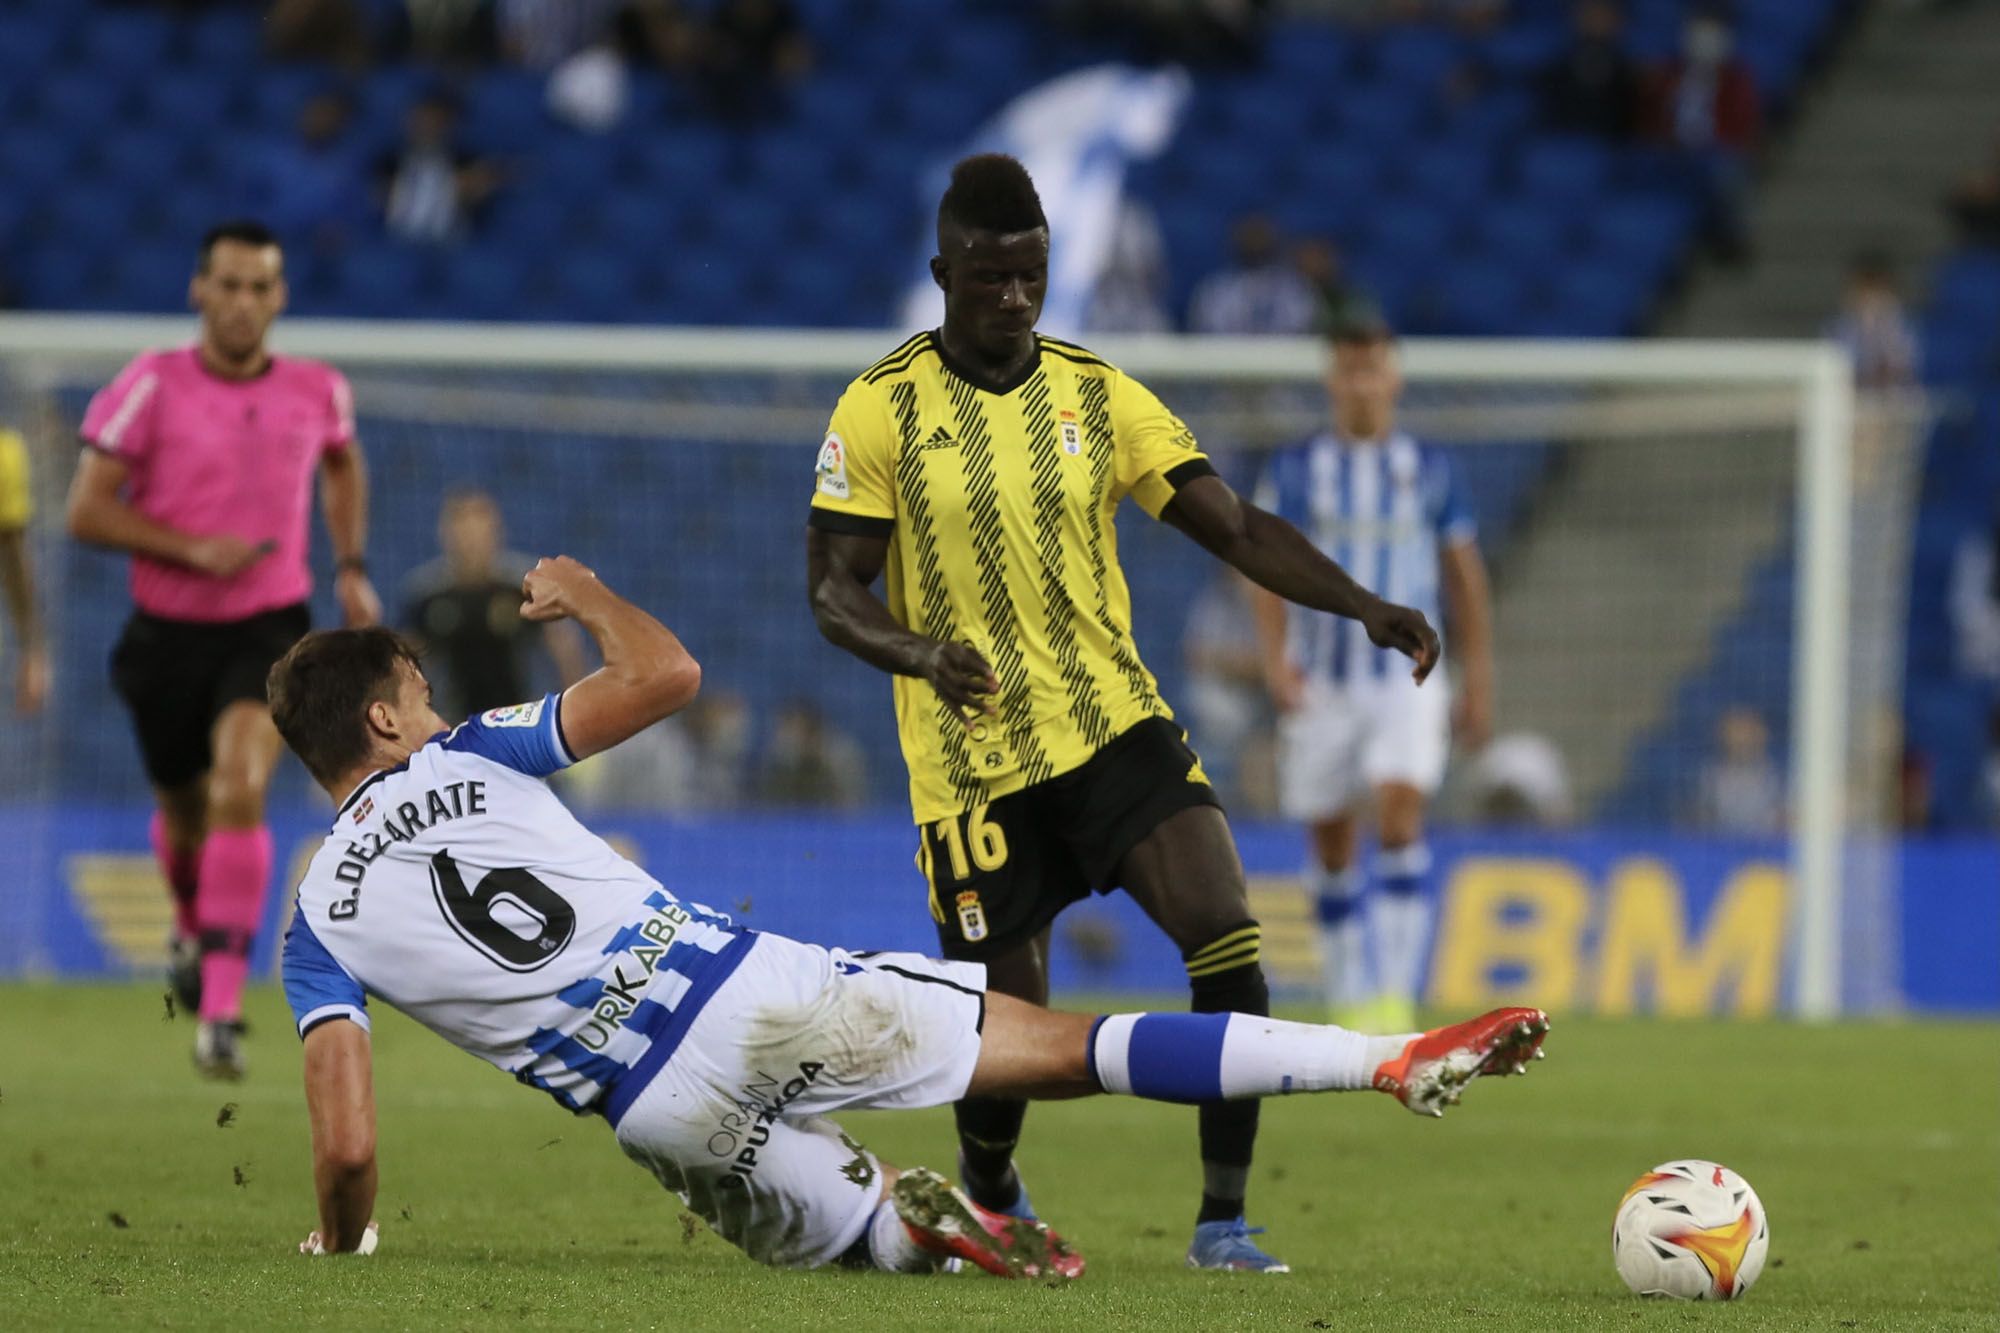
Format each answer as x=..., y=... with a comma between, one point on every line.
x=1360, y=323
x=245, y=231
x=321, y=689
x=990, y=192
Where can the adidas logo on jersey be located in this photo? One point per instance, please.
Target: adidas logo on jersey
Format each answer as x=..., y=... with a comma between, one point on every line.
x=940, y=439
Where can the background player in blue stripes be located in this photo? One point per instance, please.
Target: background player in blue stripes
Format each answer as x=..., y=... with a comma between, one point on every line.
x=1353, y=723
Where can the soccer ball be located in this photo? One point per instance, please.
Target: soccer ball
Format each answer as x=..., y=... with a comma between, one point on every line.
x=1691, y=1229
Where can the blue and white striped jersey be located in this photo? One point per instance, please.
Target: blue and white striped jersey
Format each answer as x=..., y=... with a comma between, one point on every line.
x=1383, y=511
x=458, y=889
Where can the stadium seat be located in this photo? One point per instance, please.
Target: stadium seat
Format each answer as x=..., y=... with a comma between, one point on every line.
x=119, y=43
x=28, y=46
x=1448, y=175
x=1563, y=171
x=1483, y=298
x=1416, y=58
x=223, y=41
x=1383, y=116
x=387, y=281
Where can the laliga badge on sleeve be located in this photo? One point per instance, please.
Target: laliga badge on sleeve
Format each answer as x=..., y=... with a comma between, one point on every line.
x=832, y=468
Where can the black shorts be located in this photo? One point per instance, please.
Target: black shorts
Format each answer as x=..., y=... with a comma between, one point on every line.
x=176, y=677
x=1001, y=872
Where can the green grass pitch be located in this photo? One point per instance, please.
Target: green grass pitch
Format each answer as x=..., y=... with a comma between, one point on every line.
x=128, y=1198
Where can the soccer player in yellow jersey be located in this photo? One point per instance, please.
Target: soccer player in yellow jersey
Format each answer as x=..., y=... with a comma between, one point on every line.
x=31, y=652
x=980, y=465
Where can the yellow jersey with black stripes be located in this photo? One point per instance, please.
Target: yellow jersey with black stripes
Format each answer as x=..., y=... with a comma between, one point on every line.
x=998, y=509
x=16, y=498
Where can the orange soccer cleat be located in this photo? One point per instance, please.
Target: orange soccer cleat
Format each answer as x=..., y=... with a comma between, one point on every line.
x=1433, y=1069
x=942, y=1220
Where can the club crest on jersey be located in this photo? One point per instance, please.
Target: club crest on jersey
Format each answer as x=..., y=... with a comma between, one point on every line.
x=971, y=917
x=832, y=467
x=513, y=715
x=1072, y=436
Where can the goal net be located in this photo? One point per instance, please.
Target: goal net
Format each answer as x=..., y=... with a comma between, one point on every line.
x=1697, y=554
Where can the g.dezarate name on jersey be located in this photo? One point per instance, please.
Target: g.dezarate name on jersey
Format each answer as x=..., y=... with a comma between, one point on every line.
x=458, y=889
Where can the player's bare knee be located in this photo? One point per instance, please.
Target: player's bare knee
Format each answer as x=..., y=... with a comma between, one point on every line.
x=235, y=800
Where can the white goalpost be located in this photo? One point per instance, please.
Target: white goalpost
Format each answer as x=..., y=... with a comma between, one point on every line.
x=1655, y=492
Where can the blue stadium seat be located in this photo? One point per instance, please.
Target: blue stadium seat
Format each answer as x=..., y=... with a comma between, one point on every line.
x=186, y=102
x=505, y=112
x=1482, y=298
x=1383, y=116
x=792, y=165
x=388, y=280
x=223, y=41
x=117, y=43
x=28, y=45
x=1524, y=233
x=1416, y=58
x=58, y=279
x=1595, y=300
x=1300, y=53
x=485, y=281
x=1449, y=175
x=33, y=161
x=78, y=106
x=1645, y=235
x=1333, y=167
x=682, y=161
x=1414, y=233
x=1563, y=170
x=143, y=159
x=152, y=277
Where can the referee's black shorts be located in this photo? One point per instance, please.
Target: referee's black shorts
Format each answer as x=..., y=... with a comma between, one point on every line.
x=176, y=677
x=1001, y=872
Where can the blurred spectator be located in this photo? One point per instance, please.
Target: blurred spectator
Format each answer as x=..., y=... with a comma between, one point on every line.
x=464, y=611
x=1990, y=776
x=1873, y=325
x=1704, y=105
x=693, y=761
x=450, y=30
x=1194, y=32
x=1228, y=706
x=1520, y=779
x=1742, y=790
x=660, y=32
x=1974, y=204
x=748, y=53
x=542, y=34
x=590, y=90
x=1973, y=602
x=1131, y=295
x=307, y=186
x=432, y=187
x=330, y=30
x=32, y=676
x=812, y=763
x=1594, y=87
x=1259, y=292
x=1341, y=302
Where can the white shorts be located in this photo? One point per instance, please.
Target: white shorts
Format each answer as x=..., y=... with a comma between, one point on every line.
x=733, y=1121
x=1342, y=742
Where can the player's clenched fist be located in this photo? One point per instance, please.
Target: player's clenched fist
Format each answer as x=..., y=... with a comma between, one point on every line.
x=313, y=1244
x=551, y=589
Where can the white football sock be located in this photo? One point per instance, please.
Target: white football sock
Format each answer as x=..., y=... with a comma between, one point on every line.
x=1339, y=906
x=892, y=1247
x=1400, y=917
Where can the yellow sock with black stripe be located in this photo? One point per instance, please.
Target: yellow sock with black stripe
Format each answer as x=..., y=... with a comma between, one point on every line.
x=1226, y=975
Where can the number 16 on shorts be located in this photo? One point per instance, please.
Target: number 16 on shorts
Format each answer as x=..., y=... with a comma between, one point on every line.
x=971, y=846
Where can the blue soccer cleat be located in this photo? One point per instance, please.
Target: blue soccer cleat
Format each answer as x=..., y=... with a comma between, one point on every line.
x=1227, y=1247
x=1020, y=1208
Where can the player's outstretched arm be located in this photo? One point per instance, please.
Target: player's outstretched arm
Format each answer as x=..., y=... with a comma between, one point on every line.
x=340, y=1098
x=98, y=514
x=647, y=673
x=1278, y=557
x=840, y=569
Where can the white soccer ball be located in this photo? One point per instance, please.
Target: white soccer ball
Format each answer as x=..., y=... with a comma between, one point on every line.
x=1690, y=1229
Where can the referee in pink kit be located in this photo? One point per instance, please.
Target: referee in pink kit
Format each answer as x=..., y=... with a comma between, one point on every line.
x=200, y=463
